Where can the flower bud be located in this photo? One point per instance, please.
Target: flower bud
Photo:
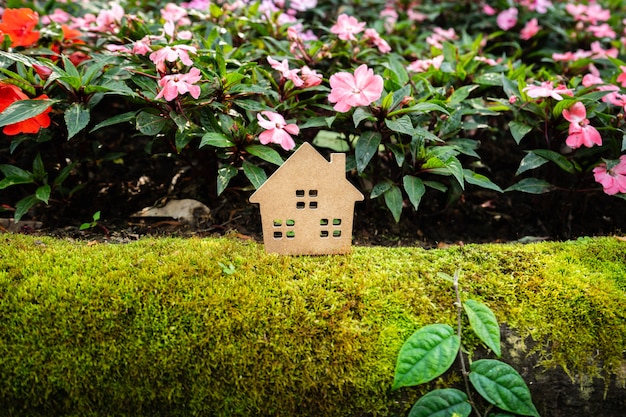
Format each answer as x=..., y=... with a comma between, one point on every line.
x=43, y=71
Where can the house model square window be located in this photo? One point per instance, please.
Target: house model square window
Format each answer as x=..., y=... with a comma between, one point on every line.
x=307, y=205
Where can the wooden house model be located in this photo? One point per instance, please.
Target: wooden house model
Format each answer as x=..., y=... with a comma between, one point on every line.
x=307, y=205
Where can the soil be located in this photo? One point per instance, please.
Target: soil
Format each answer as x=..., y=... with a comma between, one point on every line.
x=119, y=190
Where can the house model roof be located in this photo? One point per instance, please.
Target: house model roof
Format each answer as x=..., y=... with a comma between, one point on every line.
x=307, y=205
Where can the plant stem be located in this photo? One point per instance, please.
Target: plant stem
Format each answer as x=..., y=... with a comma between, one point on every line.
x=459, y=312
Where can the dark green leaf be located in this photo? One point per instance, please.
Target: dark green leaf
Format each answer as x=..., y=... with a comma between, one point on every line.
x=380, y=188
x=402, y=125
x=14, y=175
x=393, y=200
x=414, y=188
x=561, y=161
x=22, y=206
x=43, y=193
x=442, y=403
x=255, y=174
x=426, y=355
x=216, y=140
x=461, y=94
x=22, y=110
x=150, y=124
x=502, y=386
x=119, y=118
x=366, y=148
x=182, y=139
x=39, y=172
x=265, y=153
x=63, y=174
x=224, y=175
x=424, y=107
x=76, y=119
x=530, y=161
x=484, y=323
x=531, y=186
x=480, y=180
x=519, y=130
x=360, y=114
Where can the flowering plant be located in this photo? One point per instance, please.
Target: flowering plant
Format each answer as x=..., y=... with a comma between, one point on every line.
x=229, y=88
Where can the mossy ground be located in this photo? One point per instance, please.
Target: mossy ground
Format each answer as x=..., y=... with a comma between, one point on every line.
x=218, y=323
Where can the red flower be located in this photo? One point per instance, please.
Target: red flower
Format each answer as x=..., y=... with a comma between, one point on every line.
x=9, y=94
x=19, y=25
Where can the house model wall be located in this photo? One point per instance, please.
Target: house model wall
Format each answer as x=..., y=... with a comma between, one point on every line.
x=307, y=205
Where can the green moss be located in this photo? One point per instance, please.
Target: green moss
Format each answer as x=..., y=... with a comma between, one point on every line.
x=158, y=327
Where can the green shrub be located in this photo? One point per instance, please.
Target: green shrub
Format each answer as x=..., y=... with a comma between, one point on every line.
x=162, y=328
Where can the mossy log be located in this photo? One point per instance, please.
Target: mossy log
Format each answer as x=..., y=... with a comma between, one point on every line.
x=216, y=327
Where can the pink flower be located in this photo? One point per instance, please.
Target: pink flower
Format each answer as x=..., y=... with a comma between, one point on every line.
x=602, y=31
x=142, y=46
x=171, y=54
x=360, y=89
x=346, y=27
x=488, y=10
x=613, y=179
x=310, y=77
x=571, y=56
x=285, y=72
x=581, y=133
x=530, y=29
x=546, y=89
x=622, y=77
x=277, y=130
x=175, y=84
x=175, y=13
x=507, y=18
x=422, y=65
x=373, y=36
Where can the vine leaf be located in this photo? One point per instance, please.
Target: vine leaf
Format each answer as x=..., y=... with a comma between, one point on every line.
x=427, y=354
x=484, y=323
x=502, y=386
x=442, y=403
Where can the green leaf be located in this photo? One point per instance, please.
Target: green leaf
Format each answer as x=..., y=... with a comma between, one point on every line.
x=366, y=147
x=43, y=193
x=39, y=171
x=265, y=153
x=119, y=118
x=530, y=161
x=519, y=130
x=442, y=403
x=215, y=139
x=331, y=140
x=150, y=124
x=561, y=161
x=484, y=323
x=14, y=175
x=76, y=119
x=480, y=180
x=22, y=110
x=360, y=114
x=402, y=125
x=224, y=175
x=255, y=174
x=502, y=386
x=182, y=139
x=426, y=355
x=393, y=200
x=22, y=206
x=380, y=189
x=531, y=186
x=424, y=107
x=461, y=94
x=414, y=188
